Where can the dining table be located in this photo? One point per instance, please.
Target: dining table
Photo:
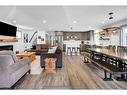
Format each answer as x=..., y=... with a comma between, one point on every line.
x=111, y=59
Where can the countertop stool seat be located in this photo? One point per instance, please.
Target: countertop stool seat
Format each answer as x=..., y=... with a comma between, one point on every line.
x=69, y=51
x=78, y=51
x=73, y=51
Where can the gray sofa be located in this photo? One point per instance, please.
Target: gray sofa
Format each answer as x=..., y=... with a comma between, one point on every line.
x=12, y=69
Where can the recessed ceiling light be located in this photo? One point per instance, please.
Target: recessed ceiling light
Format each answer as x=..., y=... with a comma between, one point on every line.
x=50, y=28
x=74, y=21
x=114, y=31
x=14, y=21
x=111, y=15
x=103, y=22
x=44, y=21
x=89, y=27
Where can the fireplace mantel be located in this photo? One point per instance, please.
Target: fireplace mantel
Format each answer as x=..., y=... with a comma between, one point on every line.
x=8, y=40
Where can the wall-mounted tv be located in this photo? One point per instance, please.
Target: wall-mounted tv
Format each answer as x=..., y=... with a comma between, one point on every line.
x=7, y=29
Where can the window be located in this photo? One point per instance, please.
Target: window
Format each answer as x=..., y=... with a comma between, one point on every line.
x=96, y=38
x=126, y=39
x=124, y=36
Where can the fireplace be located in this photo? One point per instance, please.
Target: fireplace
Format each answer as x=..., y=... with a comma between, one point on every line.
x=7, y=47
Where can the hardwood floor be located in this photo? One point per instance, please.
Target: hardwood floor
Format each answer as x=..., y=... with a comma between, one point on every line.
x=74, y=75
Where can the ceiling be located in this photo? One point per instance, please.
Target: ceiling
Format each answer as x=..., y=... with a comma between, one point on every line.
x=75, y=18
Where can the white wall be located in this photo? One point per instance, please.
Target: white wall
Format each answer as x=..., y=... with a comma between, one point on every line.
x=114, y=39
x=123, y=36
x=104, y=42
x=97, y=37
x=91, y=42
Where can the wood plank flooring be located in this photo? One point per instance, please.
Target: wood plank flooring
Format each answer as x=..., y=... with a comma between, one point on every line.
x=74, y=75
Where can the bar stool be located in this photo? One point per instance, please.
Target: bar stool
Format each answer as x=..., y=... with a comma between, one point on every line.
x=78, y=51
x=73, y=51
x=69, y=52
x=64, y=48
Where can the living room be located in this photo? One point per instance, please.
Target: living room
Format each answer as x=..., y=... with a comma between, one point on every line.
x=63, y=47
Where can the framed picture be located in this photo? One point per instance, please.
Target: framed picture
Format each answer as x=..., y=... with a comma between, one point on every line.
x=39, y=37
x=25, y=37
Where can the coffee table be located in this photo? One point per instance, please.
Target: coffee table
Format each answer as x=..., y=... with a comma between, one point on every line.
x=30, y=55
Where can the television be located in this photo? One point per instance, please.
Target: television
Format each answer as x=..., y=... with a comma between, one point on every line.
x=7, y=29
